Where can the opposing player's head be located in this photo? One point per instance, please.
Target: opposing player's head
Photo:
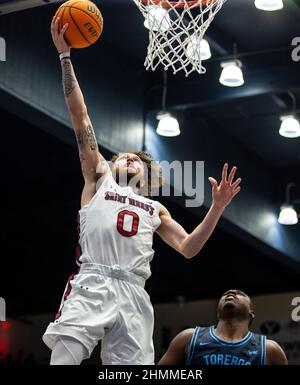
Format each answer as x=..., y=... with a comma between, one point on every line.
x=138, y=169
x=235, y=304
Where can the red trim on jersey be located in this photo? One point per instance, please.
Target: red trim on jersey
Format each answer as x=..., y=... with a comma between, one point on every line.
x=67, y=293
x=78, y=251
x=135, y=223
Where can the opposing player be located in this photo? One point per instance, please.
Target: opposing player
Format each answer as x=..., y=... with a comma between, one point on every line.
x=106, y=299
x=229, y=343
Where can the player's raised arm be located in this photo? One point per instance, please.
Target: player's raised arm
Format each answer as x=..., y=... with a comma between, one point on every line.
x=189, y=245
x=93, y=165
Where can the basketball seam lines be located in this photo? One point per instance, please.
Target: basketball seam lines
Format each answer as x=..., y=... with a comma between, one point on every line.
x=71, y=5
x=79, y=9
x=77, y=26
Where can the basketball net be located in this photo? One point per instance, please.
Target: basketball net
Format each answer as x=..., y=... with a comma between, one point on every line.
x=176, y=29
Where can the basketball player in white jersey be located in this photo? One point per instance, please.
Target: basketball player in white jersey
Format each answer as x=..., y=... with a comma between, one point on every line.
x=106, y=299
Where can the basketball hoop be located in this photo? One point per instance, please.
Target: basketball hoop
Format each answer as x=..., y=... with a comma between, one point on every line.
x=176, y=30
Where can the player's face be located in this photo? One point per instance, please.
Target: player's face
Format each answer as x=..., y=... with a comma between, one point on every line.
x=129, y=168
x=234, y=300
x=130, y=163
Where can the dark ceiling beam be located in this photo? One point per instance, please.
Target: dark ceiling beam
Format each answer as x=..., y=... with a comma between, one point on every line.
x=10, y=6
x=220, y=41
x=208, y=91
x=216, y=46
x=37, y=118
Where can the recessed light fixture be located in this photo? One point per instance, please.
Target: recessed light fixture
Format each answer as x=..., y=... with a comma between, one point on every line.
x=232, y=74
x=288, y=215
x=269, y=5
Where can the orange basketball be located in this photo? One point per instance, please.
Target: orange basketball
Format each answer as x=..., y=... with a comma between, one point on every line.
x=85, y=22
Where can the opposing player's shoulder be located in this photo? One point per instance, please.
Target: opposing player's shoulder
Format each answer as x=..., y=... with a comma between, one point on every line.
x=272, y=345
x=275, y=354
x=178, y=349
x=184, y=337
x=187, y=333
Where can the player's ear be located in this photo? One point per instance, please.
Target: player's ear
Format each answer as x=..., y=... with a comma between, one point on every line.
x=251, y=317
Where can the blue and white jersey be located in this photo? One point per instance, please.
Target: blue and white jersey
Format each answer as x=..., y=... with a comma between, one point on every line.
x=206, y=348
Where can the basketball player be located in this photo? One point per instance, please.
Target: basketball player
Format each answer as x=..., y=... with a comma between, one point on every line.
x=106, y=299
x=229, y=343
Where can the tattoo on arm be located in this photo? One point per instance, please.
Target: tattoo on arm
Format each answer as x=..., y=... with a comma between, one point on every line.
x=88, y=147
x=68, y=78
x=82, y=162
x=86, y=136
x=80, y=141
x=90, y=135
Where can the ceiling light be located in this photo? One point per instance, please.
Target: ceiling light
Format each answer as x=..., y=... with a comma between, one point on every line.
x=157, y=19
x=269, y=5
x=290, y=127
x=198, y=49
x=168, y=125
x=232, y=74
x=288, y=216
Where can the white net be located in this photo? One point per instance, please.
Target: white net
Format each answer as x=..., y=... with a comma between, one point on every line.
x=176, y=30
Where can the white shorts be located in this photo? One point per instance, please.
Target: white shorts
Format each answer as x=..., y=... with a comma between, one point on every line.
x=108, y=304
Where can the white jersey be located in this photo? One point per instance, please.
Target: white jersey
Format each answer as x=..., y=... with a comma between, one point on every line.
x=117, y=227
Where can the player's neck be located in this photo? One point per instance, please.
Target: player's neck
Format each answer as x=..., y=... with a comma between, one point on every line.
x=125, y=182
x=232, y=329
x=133, y=188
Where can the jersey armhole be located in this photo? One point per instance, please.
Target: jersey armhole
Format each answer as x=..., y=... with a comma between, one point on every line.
x=156, y=219
x=103, y=179
x=191, y=346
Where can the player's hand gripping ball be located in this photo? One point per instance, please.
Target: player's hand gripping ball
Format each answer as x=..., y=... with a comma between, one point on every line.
x=85, y=22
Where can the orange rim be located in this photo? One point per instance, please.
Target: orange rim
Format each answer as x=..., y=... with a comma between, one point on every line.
x=177, y=4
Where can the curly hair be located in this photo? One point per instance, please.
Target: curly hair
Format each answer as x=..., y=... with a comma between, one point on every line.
x=154, y=178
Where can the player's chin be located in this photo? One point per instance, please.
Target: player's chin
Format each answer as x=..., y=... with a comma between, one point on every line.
x=125, y=170
x=229, y=304
x=131, y=171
